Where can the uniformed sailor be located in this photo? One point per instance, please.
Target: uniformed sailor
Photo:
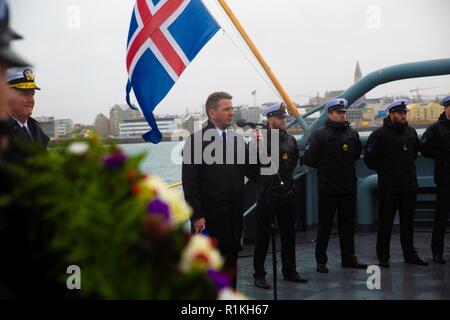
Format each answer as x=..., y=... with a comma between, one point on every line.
x=333, y=151
x=436, y=145
x=276, y=199
x=391, y=151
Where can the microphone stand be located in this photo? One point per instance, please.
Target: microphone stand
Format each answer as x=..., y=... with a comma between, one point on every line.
x=273, y=236
x=274, y=256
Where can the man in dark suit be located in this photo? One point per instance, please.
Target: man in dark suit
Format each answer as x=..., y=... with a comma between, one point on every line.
x=214, y=166
x=24, y=129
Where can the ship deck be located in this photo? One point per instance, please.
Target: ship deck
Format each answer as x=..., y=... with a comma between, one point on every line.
x=400, y=282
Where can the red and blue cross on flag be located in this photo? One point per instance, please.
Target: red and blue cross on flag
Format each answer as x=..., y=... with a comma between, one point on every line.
x=164, y=37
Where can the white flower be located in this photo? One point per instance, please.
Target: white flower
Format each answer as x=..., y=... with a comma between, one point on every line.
x=78, y=148
x=230, y=294
x=200, y=252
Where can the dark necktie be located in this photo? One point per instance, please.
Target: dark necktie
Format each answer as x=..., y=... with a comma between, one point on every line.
x=224, y=140
x=27, y=133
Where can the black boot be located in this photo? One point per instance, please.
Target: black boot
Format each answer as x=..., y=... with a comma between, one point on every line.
x=262, y=283
x=416, y=260
x=384, y=263
x=353, y=264
x=322, y=268
x=295, y=277
x=439, y=259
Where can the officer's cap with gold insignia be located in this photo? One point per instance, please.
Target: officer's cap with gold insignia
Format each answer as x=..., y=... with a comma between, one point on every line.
x=338, y=104
x=21, y=78
x=278, y=109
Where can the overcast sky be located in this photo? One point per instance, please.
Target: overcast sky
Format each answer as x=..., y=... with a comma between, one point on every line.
x=78, y=50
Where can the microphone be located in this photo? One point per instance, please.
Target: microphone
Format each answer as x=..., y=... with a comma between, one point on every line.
x=243, y=123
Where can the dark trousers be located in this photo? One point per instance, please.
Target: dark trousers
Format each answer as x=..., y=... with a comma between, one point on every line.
x=230, y=253
x=405, y=203
x=440, y=220
x=284, y=211
x=345, y=205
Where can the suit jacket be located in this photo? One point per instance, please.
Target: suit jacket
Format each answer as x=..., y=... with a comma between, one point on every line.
x=215, y=191
x=18, y=150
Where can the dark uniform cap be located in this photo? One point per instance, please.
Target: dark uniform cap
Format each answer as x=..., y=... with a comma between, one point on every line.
x=8, y=56
x=399, y=105
x=278, y=109
x=338, y=104
x=446, y=101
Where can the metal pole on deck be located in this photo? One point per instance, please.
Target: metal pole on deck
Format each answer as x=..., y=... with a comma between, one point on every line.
x=290, y=104
x=274, y=256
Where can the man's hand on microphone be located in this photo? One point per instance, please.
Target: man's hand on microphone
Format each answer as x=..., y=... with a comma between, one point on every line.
x=199, y=225
x=257, y=134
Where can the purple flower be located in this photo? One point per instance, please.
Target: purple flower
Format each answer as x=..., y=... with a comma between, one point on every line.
x=219, y=279
x=159, y=207
x=114, y=160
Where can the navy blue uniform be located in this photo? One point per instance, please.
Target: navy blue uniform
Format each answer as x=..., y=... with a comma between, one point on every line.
x=436, y=145
x=333, y=151
x=276, y=198
x=391, y=151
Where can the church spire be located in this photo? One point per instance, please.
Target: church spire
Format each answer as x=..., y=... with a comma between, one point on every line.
x=358, y=73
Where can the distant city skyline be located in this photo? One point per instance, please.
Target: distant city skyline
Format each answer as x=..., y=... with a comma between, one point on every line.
x=425, y=100
x=124, y=123
x=78, y=51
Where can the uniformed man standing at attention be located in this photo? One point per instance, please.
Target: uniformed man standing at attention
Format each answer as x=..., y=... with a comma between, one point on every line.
x=25, y=130
x=436, y=145
x=391, y=151
x=276, y=198
x=333, y=151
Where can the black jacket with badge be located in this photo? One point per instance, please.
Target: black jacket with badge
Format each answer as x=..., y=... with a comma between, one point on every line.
x=436, y=145
x=216, y=191
x=333, y=151
x=280, y=185
x=22, y=272
x=391, y=151
x=19, y=150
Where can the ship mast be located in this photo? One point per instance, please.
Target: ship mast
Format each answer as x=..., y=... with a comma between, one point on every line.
x=290, y=104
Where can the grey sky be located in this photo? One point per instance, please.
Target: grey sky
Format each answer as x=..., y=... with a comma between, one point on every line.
x=311, y=45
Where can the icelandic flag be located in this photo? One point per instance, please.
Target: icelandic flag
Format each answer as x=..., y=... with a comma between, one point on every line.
x=164, y=37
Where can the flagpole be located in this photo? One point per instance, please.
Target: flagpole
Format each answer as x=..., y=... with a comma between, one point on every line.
x=290, y=104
